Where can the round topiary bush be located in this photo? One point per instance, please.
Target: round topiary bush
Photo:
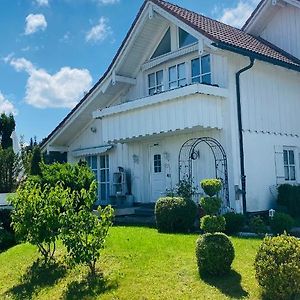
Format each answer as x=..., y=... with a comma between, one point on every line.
x=277, y=266
x=234, y=222
x=211, y=205
x=211, y=186
x=281, y=222
x=214, y=253
x=175, y=214
x=211, y=224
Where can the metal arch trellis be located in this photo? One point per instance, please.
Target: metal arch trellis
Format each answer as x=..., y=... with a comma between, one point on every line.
x=188, y=153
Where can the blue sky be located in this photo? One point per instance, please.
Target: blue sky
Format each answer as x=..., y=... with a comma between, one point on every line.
x=52, y=51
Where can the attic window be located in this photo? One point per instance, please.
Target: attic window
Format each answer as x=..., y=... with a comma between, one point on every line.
x=185, y=38
x=164, y=46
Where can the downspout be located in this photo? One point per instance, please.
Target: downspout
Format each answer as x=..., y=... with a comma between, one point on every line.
x=240, y=129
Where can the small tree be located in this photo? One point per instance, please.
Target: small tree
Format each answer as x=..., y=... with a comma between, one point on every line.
x=7, y=126
x=83, y=232
x=10, y=168
x=36, y=215
x=36, y=160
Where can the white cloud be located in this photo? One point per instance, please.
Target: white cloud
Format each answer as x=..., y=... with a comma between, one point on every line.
x=42, y=2
x=108, y=1
x=6, y=106
x=238, y=15
x=62, y=89
x=35, y=23
x=99, y=32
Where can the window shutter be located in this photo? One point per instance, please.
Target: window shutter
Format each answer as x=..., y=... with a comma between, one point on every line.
x=279, y=165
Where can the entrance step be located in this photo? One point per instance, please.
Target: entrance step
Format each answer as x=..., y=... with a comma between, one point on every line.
x=144, y=212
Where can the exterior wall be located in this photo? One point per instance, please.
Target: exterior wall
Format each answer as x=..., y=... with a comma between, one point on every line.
x=270, y=98
x=123, y=155
x=283, y=30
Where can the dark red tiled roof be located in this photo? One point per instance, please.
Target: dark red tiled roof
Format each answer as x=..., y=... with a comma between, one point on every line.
x=224, y=34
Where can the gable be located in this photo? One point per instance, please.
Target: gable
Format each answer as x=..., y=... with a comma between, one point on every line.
x=283, y=30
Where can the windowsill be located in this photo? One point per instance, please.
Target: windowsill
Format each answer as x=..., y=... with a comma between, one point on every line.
x=168, y=95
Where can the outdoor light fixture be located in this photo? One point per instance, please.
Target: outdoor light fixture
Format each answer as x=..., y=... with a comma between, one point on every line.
x=93, y=129
x=135, y=158
x=271, y=213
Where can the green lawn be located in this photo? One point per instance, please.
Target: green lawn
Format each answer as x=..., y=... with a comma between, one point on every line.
x=138, y=263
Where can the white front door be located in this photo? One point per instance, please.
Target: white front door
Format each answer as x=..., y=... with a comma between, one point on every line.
x=157, y=173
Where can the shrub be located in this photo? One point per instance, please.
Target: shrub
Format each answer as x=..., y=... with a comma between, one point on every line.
x=214, y=253
x=211, y=224
x=277, y=266
x=83, y=232
x=289, y=196
x=257, y=225
x=211, y=205
x=36, y=215
x=281, y=222
x=175, y=214
x=183, y=189
x=234, y=222
x=211, y=187
x=5, y=219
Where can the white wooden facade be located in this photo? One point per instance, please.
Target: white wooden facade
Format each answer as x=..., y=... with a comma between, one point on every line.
x=124, y=126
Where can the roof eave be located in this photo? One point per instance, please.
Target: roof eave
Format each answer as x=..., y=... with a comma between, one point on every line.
x=257, y=56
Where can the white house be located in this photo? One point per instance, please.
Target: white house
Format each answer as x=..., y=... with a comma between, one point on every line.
x=187, y=97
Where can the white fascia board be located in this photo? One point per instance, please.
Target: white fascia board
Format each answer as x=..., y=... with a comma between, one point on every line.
x=57, y=149
x=162, y=97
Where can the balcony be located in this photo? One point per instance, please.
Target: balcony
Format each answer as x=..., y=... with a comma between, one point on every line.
x=196, y=105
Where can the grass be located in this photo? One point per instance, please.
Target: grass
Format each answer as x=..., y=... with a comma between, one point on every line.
x=137, y=263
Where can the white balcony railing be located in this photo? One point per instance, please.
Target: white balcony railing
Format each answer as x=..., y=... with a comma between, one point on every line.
x=197, y=105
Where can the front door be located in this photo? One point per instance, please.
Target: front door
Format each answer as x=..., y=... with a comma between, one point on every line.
x=157, y=173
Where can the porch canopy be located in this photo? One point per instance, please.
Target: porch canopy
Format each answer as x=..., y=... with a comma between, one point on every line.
x=197, y=105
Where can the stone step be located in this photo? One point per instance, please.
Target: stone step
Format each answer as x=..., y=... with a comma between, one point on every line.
x=142, y=211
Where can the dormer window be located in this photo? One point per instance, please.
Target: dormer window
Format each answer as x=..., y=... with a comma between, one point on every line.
x=155, y=82
x=185, y=38
x=177, y=76
x=201, y=71
x=164, y=46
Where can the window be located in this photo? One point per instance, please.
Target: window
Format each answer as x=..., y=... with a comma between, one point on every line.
x=185, y=38
x=289, y=165
x=201, y=71
x=157, y=163
x=100, y=167
x=156, y=82
x=164, y=46
x=177, y=76
x=104, y=178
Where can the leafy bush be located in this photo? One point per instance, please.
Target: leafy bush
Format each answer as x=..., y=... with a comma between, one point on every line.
x=175, y=214
x=211, y=205
x=277, y=266
x=289, y=196
x=281, y=222
x=234, y=222
x=83, y=232
x=214, y=253
x=257, y=225
x=5, y=219
x=36, y=215
x=211, y=224
x=211, y=187
x=183, y=189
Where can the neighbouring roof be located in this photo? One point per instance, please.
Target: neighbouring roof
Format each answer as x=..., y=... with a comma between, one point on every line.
x=224, y=36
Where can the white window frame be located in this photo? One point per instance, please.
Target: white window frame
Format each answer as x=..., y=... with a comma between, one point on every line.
x=287, y=165
x=178, y=78
x=158, y=88
x=100, y=181
x=201, y=75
